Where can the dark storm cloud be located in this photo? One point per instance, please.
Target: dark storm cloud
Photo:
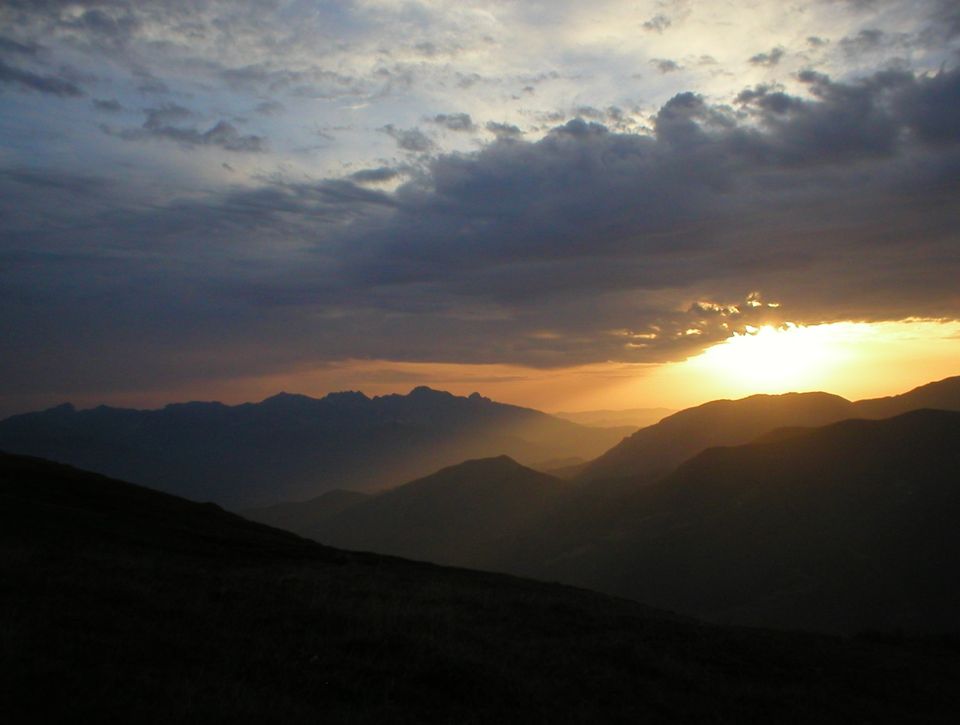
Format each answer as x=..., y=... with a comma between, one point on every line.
x=167, y=122
x=845, y=121
x=584, y=246
x=931, y=110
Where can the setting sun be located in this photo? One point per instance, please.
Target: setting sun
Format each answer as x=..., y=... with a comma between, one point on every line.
x=773, y=357
x=853, y=359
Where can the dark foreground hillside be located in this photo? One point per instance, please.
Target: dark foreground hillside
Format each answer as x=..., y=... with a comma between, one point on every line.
x=122, y=604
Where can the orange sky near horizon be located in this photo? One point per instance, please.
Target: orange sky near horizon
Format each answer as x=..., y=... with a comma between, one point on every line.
x=855, y=360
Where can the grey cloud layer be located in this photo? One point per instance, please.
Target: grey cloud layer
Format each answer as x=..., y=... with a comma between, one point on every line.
x=587, y=245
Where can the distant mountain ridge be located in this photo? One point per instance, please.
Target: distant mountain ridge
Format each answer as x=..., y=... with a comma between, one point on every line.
x=656, y=450
x=290, y=447
x=637, y=417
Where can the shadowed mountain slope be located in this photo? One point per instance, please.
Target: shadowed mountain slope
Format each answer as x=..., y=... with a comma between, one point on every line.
x=657, y=449
x=463, y=514
x=845, y=527
x=291, y=447
x=301, y=515
x=122, y=604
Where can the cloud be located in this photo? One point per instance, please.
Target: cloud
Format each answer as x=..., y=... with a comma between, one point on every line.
x=873, y=41
x=28, y=81
x=826, y=194
x=626, y=247
x=657, y=24
x=864, y=41
x=503, y=130
x=9, y=46
x=269, y=108
x=108, y=105
x=455, y=121
x=373, y=176
x=149, y=84
x=665, y=65
x=768, y=59
x=166, y=122
x=412, y=139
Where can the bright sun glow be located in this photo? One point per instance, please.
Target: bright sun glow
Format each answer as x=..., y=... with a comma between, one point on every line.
x=771, y=358
x=854, y=359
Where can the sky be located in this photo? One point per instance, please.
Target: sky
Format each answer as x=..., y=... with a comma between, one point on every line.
x=560, y=204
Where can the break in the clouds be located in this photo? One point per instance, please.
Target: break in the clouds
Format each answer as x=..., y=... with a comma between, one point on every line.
x=227, y=189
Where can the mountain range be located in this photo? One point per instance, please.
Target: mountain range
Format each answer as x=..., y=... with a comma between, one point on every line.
x=292, y=447
x=838, y=527
x=658, y=449
x=123, y=604
x=792, y=511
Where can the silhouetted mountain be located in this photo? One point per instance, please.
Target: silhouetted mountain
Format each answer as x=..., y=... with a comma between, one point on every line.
x=462, y=514
x=941, y=395
x=657, y=449
x=846, y=527
x=292, y=446
x=121, y=604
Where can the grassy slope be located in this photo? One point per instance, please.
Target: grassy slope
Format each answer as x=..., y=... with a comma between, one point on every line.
x=122, y=604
